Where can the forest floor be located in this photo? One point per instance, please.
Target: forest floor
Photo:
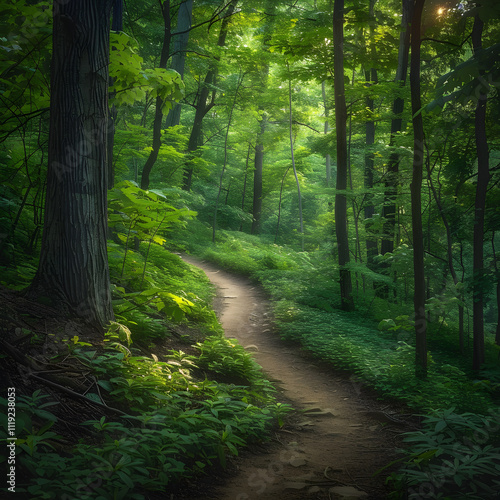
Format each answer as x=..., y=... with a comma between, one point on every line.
x=329, y=447
x=339, y=435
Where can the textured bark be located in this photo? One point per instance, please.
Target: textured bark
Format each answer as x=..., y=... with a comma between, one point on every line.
x=483, y=177
x=347, y=302
x=153, y=156
x=416, y=202
x=73, y=270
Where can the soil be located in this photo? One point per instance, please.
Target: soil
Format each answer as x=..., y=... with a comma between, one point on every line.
x=339, y=434
x=329, y=447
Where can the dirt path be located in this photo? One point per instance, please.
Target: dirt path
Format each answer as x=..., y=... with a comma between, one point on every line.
x=339, y=437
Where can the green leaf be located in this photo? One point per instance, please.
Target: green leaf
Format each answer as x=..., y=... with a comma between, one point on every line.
x=125, y=478
x=440, y=426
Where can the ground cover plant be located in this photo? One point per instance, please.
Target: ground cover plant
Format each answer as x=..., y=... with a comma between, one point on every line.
x=177, y=426
x=378, y=351
x=168, y=415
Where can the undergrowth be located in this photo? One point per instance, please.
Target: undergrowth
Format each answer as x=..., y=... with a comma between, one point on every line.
x=454, y=455
x=178, y=424
x=457, y=452
x=304, y=289
x=151, y=297
x=171, y=415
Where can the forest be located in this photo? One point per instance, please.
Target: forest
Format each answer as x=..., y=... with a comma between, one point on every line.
x=340, y=155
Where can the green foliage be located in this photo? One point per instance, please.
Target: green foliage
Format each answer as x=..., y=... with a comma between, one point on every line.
x=132, y=82
x=247, y=254
x=227, y=357
x=148, y=302
x=137, y=380
x=182, y=424
x=25, y=57
x=377, y=359
x=454, y=455
x=145, y=215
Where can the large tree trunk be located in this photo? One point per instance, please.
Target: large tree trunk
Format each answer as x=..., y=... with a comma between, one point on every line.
x=347, y=302
x=391, y=176
x=202, y=106
x=153, y=156
x=483, y=177
x=416, y=202
x=181, y=37
x=73, y=270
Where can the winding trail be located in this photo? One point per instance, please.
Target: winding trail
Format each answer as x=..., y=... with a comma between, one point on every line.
x=339, y=437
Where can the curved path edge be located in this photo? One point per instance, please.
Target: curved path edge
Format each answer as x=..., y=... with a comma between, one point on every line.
x=338, y=438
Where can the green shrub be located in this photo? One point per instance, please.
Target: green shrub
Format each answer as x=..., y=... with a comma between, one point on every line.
x=453, y=456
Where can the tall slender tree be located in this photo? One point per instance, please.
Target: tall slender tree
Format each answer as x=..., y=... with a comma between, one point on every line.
x=203, y=105
x=391, y=176
x=180, y=37
x=341, y=231
x=259, y=142
x=257, y=176
x=165, y=51
x=292, y=154
x=483, y=177
x=239, y=83
x=416, y=201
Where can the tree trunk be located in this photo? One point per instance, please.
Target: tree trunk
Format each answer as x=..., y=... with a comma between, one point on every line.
x=416, y=202
x=301, y=220
x=244, y=190
x=257, y=177
x=73, y=270
x=153, y=156
x=341, y=132
x=214, y=225
x=391, y=177
x=202, y=106
x=483, y=177
x=369, y=210
x=179, y=56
